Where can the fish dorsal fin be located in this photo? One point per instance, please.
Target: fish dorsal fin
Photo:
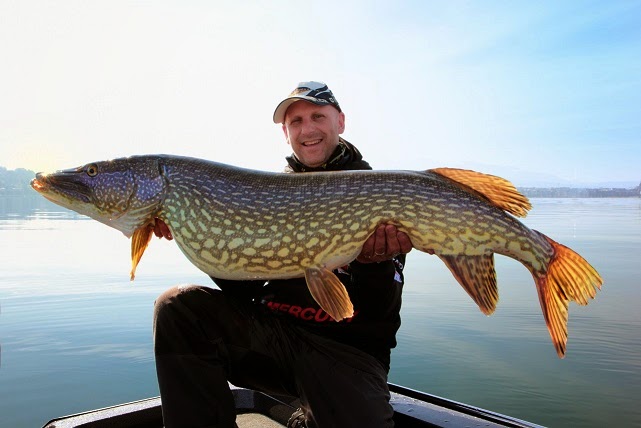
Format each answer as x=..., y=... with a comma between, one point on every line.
x=499, y=191
x=477, y=276
x=139, y=242
x=329, y=292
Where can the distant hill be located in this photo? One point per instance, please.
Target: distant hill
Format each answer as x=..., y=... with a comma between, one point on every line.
x=523, y=178
x=15, y=181
x=573, y=192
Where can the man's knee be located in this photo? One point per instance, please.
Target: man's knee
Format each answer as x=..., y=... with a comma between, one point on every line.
x=193, y=319
x=189, y=298
x=186, y=304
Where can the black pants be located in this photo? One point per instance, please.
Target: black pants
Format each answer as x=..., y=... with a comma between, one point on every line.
x=203, y=339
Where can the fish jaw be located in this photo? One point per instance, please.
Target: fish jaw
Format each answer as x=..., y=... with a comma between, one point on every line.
x=108, y=191
x=72, y=190
x=68, y=193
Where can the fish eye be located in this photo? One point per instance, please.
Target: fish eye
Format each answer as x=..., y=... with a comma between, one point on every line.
x=91, y=170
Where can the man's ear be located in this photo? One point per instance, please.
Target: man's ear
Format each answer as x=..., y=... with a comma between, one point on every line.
x=341, y=122
x=285, y=132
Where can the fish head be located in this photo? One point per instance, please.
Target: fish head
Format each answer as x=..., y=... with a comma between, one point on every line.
x=123, y=193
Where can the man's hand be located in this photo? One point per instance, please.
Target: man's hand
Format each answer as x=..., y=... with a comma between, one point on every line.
x=161, y=229
x=384, y=244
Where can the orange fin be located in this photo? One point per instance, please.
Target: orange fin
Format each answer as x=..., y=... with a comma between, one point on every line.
x=139, y=242
x=499, y=191
x=477, y=276
x=329, y=292
x=569, y=277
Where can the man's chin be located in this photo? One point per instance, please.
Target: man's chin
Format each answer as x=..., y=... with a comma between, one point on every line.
x=312, y=164
x=312, y=158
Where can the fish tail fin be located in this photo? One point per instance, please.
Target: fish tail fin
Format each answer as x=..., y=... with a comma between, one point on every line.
x=139, y=242
x=569, y=277
x=329, y=292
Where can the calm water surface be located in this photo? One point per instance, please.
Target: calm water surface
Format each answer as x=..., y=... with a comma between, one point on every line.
x=75, y=334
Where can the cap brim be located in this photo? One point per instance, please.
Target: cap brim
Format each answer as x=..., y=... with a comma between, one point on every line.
x=281, y=109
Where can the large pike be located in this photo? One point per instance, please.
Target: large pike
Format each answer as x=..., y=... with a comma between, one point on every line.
x=236, y=223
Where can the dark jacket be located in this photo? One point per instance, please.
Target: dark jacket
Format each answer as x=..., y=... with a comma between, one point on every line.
x=374, y=289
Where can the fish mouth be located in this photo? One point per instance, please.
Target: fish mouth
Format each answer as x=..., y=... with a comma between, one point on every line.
x=38, y=184
x=62, y=185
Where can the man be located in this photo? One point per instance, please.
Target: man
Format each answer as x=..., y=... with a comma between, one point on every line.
x=272, y=336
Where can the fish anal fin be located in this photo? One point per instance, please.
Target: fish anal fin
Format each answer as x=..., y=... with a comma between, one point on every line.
x=477, y=276
x=329, y=292
x=498, y=191
x=569, y=277
x=139, y=242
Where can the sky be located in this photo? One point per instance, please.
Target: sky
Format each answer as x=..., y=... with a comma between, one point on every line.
x=537, y=92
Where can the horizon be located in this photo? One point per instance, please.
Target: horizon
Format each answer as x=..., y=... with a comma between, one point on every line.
x=549, y=90
x=541, y=183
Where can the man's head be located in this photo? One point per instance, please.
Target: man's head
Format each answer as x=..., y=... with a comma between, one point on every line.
x=312, y=120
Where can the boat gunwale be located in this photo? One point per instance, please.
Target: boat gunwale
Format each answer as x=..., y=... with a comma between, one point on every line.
x=412, y=408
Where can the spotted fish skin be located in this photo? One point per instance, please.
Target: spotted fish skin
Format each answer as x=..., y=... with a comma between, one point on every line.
x=236, y=223
x=243, y=224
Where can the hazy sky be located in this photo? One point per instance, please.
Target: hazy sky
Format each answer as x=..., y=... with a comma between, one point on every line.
x=520, y=89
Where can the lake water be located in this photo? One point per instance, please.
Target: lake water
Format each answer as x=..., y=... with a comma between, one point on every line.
x=75, y=334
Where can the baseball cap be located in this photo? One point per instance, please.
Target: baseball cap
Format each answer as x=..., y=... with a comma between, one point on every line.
x=314, y=92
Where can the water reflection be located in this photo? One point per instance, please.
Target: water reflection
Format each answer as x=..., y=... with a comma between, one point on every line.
x=76, y=333
x=13, y=207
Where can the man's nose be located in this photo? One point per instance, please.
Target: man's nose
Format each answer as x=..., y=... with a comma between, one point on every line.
x=307, y=127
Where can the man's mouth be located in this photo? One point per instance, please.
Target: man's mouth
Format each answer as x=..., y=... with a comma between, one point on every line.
x=311, y=142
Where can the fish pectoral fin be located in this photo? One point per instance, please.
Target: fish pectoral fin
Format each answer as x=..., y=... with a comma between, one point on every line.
x=498, y=191
x=329, y=292
x=477, y=276
x=139, y=242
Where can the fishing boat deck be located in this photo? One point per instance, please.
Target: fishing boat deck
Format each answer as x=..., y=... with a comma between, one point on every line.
x=256, y=420
x=255, y=409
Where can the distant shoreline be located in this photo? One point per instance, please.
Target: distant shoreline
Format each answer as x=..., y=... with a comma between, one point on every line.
x=570, y=192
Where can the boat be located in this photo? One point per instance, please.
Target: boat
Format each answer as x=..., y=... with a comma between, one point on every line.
x=255, y=409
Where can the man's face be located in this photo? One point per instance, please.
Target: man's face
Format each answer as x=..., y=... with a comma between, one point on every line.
x=313, y=131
